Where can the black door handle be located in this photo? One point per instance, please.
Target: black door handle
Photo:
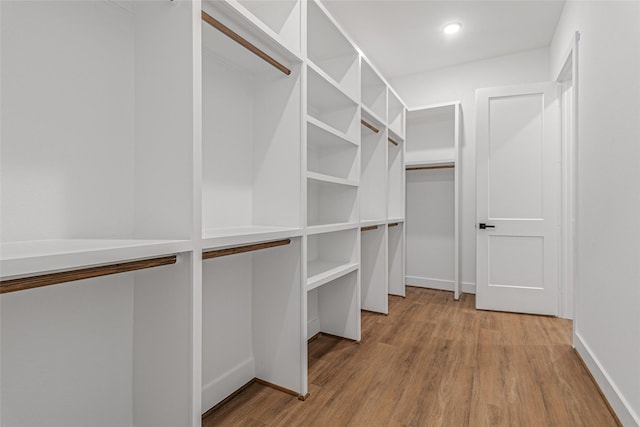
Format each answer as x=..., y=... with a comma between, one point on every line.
x=483, y=226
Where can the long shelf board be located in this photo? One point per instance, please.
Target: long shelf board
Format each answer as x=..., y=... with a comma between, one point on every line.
x=429, y=162
x=329, y=129
x=326, y=77
x=370, y=222
x=36, y=257
x=233, y=236
x=331, y=179
x=328, y=228
x=322, y=272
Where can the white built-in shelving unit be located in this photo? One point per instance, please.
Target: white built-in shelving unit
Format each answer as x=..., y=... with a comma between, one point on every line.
x=433, y=182
x=196, y=181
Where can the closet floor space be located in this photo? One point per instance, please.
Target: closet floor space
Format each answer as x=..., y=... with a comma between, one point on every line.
x=435, y=362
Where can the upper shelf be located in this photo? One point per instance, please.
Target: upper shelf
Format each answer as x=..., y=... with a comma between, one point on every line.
x=330, y=50
x=395, y=114
x=374, y=92
x=42, y=256
x=243, y=42
x=281, y=17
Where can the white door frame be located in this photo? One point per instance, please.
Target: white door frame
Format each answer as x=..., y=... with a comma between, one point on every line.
x=569, y=247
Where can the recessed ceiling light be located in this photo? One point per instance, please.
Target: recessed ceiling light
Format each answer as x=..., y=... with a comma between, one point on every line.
x=452, y=28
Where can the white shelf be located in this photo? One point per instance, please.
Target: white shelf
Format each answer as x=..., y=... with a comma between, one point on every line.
x=321, y=272
x=327, y=135
x=222, y=237
x=328, y=228
x=44, y=256
x=392, y=220
x=329, y=105
x=430, y=162
x=395, y=114
x=279, y=19
x=331, y=179
x=374, y=91
x=371, y=222
x=330, y=50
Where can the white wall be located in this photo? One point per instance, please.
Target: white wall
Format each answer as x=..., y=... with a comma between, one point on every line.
x=607, y=313
x=460, y=83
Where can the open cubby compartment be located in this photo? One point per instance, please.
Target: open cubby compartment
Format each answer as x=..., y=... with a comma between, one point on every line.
x=373, y=267
x=331, y=51
x=374, y=91
x=252, y=322
x=329, y=153
x=431, y=238
x=373, y=166
x=251, y=134
x=396, y=114
x=282, y=17
x=334, y=308
x=108, y=351
x=330, y=255
x=327, y=104
x=331, y=203
x=396, y=259
x=97, y=128
x=395, y=177
x=431, y=136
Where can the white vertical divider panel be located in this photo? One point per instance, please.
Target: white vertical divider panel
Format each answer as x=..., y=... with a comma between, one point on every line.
x=374, y=270
x=456, y=197
x=164, y=180
x=396, y=259
x=196, y=226
x=304, y=296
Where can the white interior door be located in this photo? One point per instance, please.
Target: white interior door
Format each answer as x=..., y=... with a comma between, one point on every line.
x=518, y=198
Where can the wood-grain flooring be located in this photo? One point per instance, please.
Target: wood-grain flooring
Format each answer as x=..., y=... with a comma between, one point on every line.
x=435, y=362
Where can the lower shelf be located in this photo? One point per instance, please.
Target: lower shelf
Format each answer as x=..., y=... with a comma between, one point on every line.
x=321, y=272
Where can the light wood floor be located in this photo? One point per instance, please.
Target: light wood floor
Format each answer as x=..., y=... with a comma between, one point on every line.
x=435, y=362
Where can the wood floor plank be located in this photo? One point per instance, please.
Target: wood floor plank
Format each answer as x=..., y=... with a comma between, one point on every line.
x=434, y=361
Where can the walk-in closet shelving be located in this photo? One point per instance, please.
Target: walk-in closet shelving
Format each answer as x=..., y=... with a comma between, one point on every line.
x=251, y=134
x=373, y=181
x=328, y=104
x=395, y=177
x=330, y=153
x=251, y=196
x=374, y=92
x=396, y=114
x=282, y=19
x=433, y=180
x=330, y=255
x=97, y=173
x=374, y=268
x=331, y=51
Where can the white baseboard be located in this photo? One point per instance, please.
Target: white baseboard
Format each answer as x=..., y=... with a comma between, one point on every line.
x=617, y=401
x=219, y=389
x=313, y=327
x=443, y=285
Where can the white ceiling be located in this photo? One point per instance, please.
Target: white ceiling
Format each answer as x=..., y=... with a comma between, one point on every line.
x=402, y=37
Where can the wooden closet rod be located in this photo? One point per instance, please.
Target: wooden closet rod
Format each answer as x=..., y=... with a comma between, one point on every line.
x=217, y=253
x=243, y=42
x=369, y=125
x=418, y=168
x=23, y=283
x=392, y=141
x=371, y=227
x=393, y=224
